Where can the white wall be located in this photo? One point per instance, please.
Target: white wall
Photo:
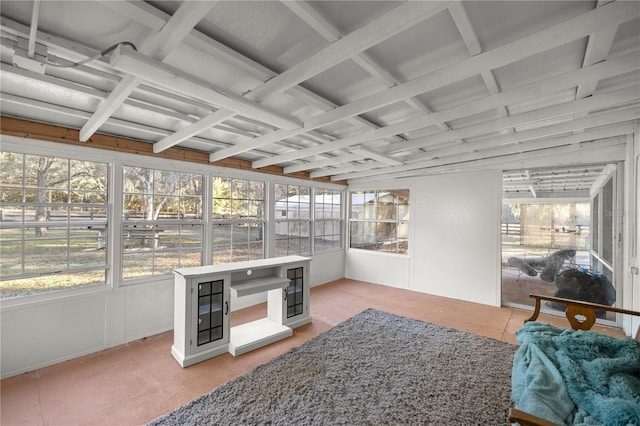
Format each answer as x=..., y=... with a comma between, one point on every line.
x=454, y=239
x=457, y=236
x=378, y=268
x=45, y=332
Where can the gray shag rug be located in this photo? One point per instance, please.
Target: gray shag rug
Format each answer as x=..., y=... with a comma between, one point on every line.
x=374, y=368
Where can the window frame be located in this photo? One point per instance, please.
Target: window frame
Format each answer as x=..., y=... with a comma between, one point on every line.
x=297, y=223
x=142, y=226
x=260, y=222
x=65, y=227
x=397, y=222
x=338, y=223
x=116, y=161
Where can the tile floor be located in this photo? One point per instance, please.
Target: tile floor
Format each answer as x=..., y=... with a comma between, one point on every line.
x=137, y=382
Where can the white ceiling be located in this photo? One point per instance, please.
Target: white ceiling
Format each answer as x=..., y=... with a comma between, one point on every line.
x=351, y=90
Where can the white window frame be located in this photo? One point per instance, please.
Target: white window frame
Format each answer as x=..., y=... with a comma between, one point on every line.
x=260, y=222
x=138, y=228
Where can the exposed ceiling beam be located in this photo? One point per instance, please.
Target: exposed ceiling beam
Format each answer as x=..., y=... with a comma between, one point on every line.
x=468, y=33
x=602, y=18
x=193, y=129
x=592, y=103
x=340, y=159
x=171, y=34
x=599, y=120
x=33, y=30
x=513, y=149
x=397, y=20
x=612, y=149
x=70, y=113
x=370, y=153
x=131, y=101
x=597, y=50
x=173, y=79
x=350, y=168
x=311, y=17
x=155, y=19
x=524, y=93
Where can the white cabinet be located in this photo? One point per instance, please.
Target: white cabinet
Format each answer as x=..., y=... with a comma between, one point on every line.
x=201, y=317
x=290, y=306
x=202, y=306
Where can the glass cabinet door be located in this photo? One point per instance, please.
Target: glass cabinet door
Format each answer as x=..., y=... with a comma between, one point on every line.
x=295, y=302
x=210, y=311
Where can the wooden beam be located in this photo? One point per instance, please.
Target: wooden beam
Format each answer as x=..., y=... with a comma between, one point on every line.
x=177, y=28
x=602, y=18
x=33, y=30
x=502, y=152
x=174, y=79
x=393, y=22
x=592, y=103
x=193, y=129
x=48, y=132
x=603, y=119
x=601, y=151
x=374, y=155
x=598, y=48
x=185, y=18
x=340, y=159
x=311, y=17
x=524, y=93
x=610, y=15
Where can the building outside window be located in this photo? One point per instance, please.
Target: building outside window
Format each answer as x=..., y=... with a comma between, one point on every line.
x=292, y=219
x=162, y=224
x=379, y=220
x=238, y=220
x=53, y=224
x=327, y=220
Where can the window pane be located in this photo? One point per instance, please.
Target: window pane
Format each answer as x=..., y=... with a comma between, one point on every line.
x=222, y=243
x=380, y=220
x=155, y=202
x=55, y=235
x=235, y=199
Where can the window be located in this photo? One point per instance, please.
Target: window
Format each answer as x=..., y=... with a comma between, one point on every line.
x=53, y=223
x=293, y=221
x=238, y=220
x=379, y=220
x=162, y=226
x=328, y=220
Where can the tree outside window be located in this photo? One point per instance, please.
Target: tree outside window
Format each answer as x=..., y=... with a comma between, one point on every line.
x=238, y=220
x=162, y=226
x=53, y=224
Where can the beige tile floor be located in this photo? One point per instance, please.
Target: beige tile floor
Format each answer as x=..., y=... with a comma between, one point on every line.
x=135, y=383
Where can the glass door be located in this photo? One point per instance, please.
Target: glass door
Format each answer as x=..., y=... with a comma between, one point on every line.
x=212, y=309
x=295, y=302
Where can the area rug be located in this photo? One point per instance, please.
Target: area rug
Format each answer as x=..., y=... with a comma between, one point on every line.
x=374, y=368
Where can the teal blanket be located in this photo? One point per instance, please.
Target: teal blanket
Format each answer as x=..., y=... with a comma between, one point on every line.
x=576, y=377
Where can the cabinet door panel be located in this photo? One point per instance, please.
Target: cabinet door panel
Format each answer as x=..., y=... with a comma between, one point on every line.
x=211, y=300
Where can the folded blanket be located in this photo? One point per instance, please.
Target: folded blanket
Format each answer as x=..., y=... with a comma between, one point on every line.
x=558, y=373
